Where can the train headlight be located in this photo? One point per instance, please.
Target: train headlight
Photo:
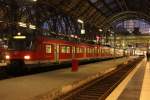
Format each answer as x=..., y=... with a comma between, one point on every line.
x=7, y=57
x=27, y=57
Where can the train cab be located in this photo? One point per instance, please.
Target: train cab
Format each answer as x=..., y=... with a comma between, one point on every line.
x=20, y=50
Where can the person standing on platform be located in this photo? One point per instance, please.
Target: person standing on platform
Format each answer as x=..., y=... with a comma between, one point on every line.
x=148, y=56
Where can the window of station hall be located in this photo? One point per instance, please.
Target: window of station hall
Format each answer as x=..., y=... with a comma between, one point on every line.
x=133, y=27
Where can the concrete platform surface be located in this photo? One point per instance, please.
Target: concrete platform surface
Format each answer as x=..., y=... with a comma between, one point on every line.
x=28, y=87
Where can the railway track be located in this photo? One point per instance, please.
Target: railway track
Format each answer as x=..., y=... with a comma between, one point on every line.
x=102, y=87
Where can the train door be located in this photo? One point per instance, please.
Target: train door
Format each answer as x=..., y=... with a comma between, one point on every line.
x=73, y=52
x=56, y=53
x=84, y=52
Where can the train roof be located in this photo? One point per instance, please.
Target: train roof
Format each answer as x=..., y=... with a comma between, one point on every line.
x=65, y=42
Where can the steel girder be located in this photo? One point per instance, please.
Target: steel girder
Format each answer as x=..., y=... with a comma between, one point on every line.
x=124, y=15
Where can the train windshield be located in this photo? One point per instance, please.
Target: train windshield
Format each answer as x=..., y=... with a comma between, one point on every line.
x=20, y=44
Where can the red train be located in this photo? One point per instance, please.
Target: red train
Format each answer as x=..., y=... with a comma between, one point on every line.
x=44, y=51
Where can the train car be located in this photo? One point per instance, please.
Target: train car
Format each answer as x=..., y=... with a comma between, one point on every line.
x=2, y=51
x=42, y=51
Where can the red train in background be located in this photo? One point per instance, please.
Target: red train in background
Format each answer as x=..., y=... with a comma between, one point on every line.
x=41, y=51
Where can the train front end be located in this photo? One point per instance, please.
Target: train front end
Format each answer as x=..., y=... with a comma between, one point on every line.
x=20, y=52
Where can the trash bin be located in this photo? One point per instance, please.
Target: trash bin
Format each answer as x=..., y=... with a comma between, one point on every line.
x=74, y=65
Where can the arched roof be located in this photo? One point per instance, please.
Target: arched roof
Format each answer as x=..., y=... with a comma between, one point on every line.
x=96, y=12
x=101, y=12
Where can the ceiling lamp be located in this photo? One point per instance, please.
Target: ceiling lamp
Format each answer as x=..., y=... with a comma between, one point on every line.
x=21, y=24
x=34, y=0
x=80, y=21
x=82, y=31
x=100, y=30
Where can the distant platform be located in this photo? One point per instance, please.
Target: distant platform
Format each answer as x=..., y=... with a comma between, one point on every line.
x=136, y=86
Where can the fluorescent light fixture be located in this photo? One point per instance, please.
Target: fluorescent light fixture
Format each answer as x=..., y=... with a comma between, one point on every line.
x=80, y=21
x=21, y=24
x=19, y=37
x=112, y=32
x=34, y=0
x=5, y=38
x=32, y=26
x=82, y=31
x=94, y=40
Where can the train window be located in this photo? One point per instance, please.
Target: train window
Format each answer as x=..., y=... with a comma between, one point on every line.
x=68, y=49
x=96, y=51
x=90, y=51
x=87, y=50
x=99, y=50
x=63, y=49
x=48, y=48
x=77, y=50
x=73, y=49
x=84, y=50
x=20, y=44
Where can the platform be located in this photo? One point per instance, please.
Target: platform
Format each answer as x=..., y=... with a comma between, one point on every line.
x=45, y=85
x=136, y=86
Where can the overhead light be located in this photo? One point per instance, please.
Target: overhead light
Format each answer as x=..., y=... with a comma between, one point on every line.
x=112, y=32
x=100, y=30
x=97, y=37
x=80, y=21
x=72, y=35
x=149, y=29
x=22, y=24
x=94, y=41
x=18, y=33
x=34, y=0
x=5, y=38
x=32, y=26
x=76, y=36
x=19, y=37
x=82, y=31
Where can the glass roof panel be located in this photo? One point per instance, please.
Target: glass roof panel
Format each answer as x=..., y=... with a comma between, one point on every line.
x=130, y=25
x=113, y=5
x=109, y=1
x=93, y=1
